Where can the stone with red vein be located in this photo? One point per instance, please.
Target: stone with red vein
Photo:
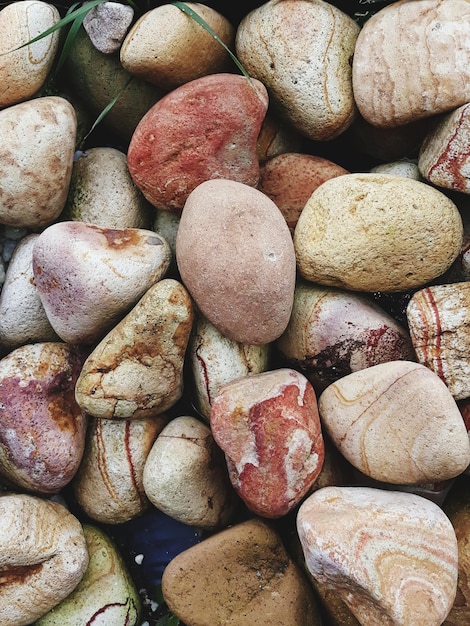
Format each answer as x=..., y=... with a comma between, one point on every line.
x=207, y=128
x=269, y=429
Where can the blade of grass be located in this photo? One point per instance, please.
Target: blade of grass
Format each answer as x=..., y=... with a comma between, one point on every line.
x=182, y=6
x=68, y=43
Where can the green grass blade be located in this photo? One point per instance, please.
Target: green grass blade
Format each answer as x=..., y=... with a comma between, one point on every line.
x=68, y=43
x=182, y=6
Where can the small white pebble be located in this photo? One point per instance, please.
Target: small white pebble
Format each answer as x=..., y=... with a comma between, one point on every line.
x=139, y=558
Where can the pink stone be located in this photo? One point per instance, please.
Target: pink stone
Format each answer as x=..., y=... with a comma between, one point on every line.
x=269, y=429
x=207, y=128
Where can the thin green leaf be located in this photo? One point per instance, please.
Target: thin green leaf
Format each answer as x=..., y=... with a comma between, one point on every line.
x=168, y=620
x=182, y=6
x=68, y=43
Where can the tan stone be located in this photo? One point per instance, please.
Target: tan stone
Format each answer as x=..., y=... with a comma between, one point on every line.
x=239, y=576
x=377, y=232
x=397, y=422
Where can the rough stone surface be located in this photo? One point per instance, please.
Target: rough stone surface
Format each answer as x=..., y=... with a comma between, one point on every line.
x=137, y=368
x=397, y=422
x=268, y=427
x=377, y=232
x=420, y=68
x=236, y=258
x=391, y=556
x=302, y=52
x=89, y=277
x=107, y=25
x=205, y=129
x=241, y=575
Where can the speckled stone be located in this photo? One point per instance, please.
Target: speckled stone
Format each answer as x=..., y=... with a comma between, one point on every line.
x=107, y=25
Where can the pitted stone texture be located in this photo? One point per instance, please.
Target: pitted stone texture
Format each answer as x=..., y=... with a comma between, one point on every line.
x=107, y=25
x=137, y=368
x=239, y=576
x=205, y=129
x=89, y=277
x=35, y=174
x=404, y=167
x=302, y=52
x=289, y=179
x=444, y=158
x=268, y=427
x=185, y=475
x=109, y=482
x=421, y=61
x=106, y=591
x=236, y=258
x=391, y=556
x=377, y=232
x=438, y=318
x=168, y=48
x=397, y=422
x=43, y=557
x=332, y=333
x=42, y=430
x=24, y=70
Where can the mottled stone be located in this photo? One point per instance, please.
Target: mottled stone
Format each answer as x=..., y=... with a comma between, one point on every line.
x=289, y=179
x=109, y=482
x=35, y=174
x=390, y=556
x=107, y=25
x=89, y=277
x=420, y=68
x=185, y=475
x=43, y=557
x=137, y=368
x=102, y=192
x=236, y=258
x=214, y=360
x=241, y=575
x=332, y=333
x=404, y=167
x=377, y=232
x=302, y=52
x=22, y=316
x=23, y=69
x=268, y=426
x=106, y=594
x=396, y=422
x=205, y=129
x=438, y=318
x=444, y=158
x=42, y=429
x=168, y=48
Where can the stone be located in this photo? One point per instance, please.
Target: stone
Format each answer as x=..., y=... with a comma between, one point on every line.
x=404, y=167
x=102, y=193
x=42, y=429
x=205, y=129
x=238, y=576
x=107, y=25
x=390, y=556
x=36, y=173
x=236, y=258
x=443, y=158
x=137, y=368
x=22, y=316
x=396, y=422
x=185, y=476
x=332, y=333
x=289, y=179
x=307, y=69
x=438, y=318
x=106, y=589
x=276, y=137
x=108, y=485
x=214, y=360
x=376, y=232
x=268, y=427
x=420, y=68
x=43, y=556
x=23, y=70
x=168, y=48
x=78, y=265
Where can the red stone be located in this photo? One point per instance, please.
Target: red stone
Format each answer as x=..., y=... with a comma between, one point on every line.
x=268, y=426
